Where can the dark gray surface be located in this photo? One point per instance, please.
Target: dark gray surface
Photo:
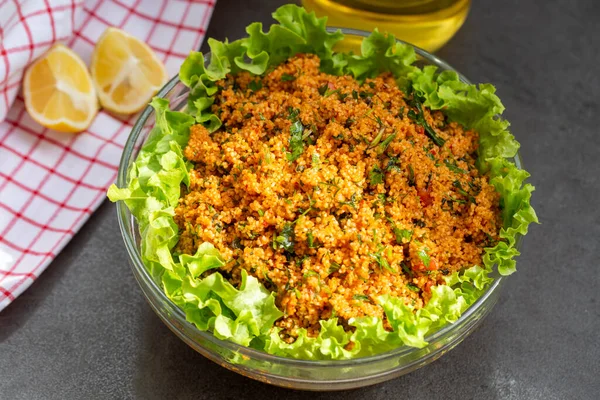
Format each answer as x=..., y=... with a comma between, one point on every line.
x=83, y=329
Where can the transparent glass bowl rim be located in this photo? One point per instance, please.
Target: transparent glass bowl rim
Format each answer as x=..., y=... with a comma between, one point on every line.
x=243, y=350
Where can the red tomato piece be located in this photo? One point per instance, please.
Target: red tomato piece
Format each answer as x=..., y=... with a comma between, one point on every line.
x=426, y=198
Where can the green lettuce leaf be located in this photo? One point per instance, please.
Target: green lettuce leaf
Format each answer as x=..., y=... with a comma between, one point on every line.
x=211, y=303
x=246, y=315
x=207, y=257
x=329, y=344
x=517, y=212
x=410, y=326
x=479, y=108
x=476, y=108
x=297, y=32
x=239, y=315
x=159, y=169
x=381, y=53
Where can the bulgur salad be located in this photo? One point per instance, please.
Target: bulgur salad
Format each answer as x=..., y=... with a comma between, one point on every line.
x=323, y=205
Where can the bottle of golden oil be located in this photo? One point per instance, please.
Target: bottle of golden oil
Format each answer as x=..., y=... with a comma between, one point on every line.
x=428, y=24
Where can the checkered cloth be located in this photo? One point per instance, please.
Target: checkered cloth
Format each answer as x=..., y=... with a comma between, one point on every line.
x=51, y=182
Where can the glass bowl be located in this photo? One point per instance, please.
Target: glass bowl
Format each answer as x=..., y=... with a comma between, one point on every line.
x=280, y=371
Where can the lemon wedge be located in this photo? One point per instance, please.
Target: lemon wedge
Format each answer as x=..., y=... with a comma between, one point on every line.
x=59, y=93
x=125, y=71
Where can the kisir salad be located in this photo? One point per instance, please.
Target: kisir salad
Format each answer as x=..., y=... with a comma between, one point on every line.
x=323, y=205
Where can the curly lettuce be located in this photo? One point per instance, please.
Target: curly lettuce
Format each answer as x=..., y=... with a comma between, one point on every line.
x=211, y=303
x=246, y=315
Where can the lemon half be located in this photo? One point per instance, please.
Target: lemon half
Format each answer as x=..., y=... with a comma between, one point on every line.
x=126, y=72
x=59, y=93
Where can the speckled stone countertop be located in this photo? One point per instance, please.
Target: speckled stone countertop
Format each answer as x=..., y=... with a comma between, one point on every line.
x=84, y=331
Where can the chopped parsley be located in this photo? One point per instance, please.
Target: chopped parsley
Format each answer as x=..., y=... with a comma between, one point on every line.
x=453, y=167
x=377, y=138
x=412, y=287
x=315, y=160
x=365, y=95
x=266, y=277
x=326, y=92
x=376, y=175
x=296, y=143
x=392, y=164
x=423, y=256
x=489, y=240
x=293, y=113
x=323, y=89
x=401, y=112
x=474, y=187
x=428, y=154
x=463, y=192
x=333, y=266
x=419, y=119
x=333, y=183
x=448, y=204
x=381, y=260
x=191, y=230
x=310, y=273
x=411, y=175
x=351, y=203
x=361, y=297
x=287, y=77
x=419, y=222
x=255, y=85
x=385, y=143
x=237, y=244
x=381, y=198
x=402, y=234
x=310, y=239
x=285, y=239
x=406, y=269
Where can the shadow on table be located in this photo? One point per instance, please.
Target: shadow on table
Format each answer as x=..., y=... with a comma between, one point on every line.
x=167, y=367
x=43, y=290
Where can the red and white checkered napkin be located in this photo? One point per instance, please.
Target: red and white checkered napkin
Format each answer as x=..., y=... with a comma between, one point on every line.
x=51, y=182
